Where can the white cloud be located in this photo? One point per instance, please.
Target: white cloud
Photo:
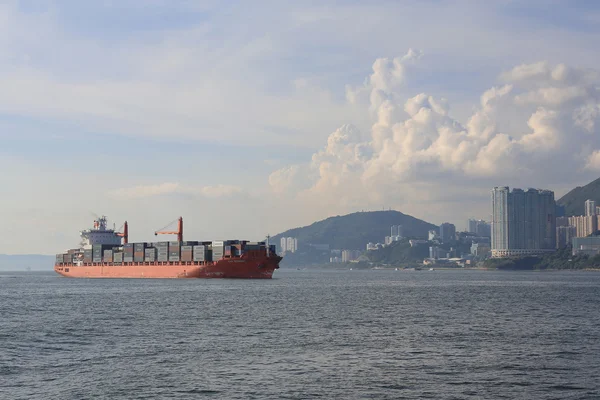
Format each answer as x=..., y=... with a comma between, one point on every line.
x=593, y=161
x=427, y=147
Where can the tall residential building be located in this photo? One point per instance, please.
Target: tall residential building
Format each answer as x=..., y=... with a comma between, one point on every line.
x=397, y=230
x=447, y=232
x=565, y=235
x=597, y=210
x=472, y=225
x=584, y=225
x=523, y=222
x=590, y=208
x=483, y=229
x=289, y=244
x=479, y=227
x=500, y=218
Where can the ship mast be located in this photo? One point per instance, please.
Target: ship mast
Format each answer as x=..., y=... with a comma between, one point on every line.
x=178, y=232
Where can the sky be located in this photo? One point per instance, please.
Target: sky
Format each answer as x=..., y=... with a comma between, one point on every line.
x=251, y=118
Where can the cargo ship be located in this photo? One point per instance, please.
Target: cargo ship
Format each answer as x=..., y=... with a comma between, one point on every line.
x=107, y=253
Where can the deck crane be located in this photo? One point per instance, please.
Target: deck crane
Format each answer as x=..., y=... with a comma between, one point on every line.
x=125, y=233
x=178, y=232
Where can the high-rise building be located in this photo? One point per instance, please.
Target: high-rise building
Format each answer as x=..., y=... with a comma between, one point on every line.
x=350, y=255
x=283, y=244
x=472, y=225
x=597, y=210
x=565, y=235
x=590, y=208
x=483, y=229
x=500, y=218
x=396, y=230
x=289, y=244
x=584, y=225
x=447, y=232
x=523, y=222
x=479, y=227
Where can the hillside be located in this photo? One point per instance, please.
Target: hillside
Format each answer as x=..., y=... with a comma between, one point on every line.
x=574, y=201
x=22, y=262
x=354, y=231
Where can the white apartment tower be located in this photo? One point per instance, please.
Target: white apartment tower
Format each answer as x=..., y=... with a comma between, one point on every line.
x=590, y=208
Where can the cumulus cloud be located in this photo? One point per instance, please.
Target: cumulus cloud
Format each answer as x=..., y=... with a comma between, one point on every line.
x=593, y=161
x=530, y=131
x=171, y=188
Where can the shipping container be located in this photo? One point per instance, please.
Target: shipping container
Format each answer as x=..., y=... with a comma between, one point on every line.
x=118, y=257
x=127, y=258
x=174, y=258
x=97, y=259
x=59, y=258
x=162, y=257
x=108, y=256
x=128, y=245
x=138, y=257
x=186, y=256
x=150, y=255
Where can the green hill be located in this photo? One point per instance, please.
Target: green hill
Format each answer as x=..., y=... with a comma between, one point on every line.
x=354, y=231
x=574, y=201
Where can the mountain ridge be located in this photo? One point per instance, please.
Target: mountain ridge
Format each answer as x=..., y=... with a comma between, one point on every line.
x=355, y=230
x=574, y=200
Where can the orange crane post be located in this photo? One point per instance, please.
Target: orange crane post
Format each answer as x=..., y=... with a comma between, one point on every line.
x=178, y=232
x=124, y=234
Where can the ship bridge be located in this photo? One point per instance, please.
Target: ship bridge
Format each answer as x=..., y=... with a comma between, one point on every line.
x=99, y=234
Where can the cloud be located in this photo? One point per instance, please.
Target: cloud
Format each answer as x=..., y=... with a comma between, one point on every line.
x=531, y=131
x=593, y=161
x=173, y=188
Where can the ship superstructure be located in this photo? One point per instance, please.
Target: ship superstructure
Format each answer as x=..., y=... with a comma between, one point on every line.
x=105, y=252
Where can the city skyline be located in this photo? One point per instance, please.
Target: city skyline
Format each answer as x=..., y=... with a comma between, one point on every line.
x=250, y=119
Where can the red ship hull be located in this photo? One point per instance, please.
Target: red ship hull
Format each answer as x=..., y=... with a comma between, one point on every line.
x=237, y=267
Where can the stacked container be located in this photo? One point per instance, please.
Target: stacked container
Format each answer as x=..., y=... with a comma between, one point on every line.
x=107, y=256
x=199, y=253
x=162, y=250
x=60, y=258
x=97, y=253
x=217, y=250
x=186, y=253
x=150, y=254
x=174, y=251
x=138, y=252
x=87, y=256
x=128, y=252
x=67, y=258
x=117, y=257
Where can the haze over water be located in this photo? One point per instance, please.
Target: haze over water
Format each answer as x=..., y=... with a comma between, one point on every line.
x=304, y=334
